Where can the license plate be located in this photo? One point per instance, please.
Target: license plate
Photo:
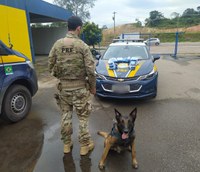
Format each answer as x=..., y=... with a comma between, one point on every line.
x=121, y=88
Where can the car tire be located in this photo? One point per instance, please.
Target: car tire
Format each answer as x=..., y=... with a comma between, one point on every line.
x=17, y=103
x=156, y=43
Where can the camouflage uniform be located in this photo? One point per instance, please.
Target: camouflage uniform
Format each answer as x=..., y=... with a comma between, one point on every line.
x=71, y=61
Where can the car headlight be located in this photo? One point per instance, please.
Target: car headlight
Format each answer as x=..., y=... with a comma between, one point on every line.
x=148, y=76
x=99, y=76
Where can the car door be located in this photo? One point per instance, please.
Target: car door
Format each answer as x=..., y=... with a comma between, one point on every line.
x=151, y=41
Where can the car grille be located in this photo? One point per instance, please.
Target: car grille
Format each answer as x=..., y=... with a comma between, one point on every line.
x=133, y=87
x=124, y=79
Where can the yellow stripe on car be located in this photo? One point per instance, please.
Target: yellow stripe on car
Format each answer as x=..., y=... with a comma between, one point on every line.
x=1, y=61
x=12, y=59
x=110, y=72
x=133, y=72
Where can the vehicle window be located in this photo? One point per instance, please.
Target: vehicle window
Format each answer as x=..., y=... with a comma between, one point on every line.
x=126, y=51
x=2, y=51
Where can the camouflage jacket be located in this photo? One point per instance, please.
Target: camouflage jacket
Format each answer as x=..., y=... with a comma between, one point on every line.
x=71, y=61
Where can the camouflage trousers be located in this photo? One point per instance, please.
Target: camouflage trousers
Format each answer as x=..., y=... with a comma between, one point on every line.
x=77, y=100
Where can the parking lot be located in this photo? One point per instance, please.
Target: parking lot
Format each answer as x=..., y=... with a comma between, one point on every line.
x=167, y=127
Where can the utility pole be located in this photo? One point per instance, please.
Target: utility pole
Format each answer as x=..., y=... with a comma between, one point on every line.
x=114, y=22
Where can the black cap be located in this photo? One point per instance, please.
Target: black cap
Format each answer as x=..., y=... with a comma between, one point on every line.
x=74, y=22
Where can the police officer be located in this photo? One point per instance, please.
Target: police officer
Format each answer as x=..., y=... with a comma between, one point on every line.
x=71, y=61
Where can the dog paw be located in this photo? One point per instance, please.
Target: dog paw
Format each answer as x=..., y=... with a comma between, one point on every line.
x=135, y=166
x=101, y=166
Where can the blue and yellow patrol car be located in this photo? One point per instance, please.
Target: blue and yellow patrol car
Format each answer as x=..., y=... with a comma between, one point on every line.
x=127, y=70
x=18, y=83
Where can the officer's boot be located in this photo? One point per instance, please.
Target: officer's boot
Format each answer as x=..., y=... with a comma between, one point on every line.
x=85, y=149
x=67, y=147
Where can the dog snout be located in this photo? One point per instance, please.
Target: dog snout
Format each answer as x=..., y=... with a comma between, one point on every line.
x=126, y=131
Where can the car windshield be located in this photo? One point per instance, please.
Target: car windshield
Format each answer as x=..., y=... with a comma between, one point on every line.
x=125, y=51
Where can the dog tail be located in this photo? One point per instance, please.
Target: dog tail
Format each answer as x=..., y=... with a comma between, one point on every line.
x=103, y=134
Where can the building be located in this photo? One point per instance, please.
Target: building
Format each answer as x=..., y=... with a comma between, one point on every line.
x=16, y=17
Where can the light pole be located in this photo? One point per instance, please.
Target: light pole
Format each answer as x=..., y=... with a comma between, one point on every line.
x=114, y=22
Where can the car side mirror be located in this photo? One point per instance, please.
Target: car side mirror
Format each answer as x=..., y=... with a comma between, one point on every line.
x=156, y=57
x=98, y=56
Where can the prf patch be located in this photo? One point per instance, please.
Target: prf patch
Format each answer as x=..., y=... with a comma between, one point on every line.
x=67, y=50
x=8, y=70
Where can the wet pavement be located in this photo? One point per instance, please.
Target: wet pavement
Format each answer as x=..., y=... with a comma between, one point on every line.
x=167, y=128
x=20, y=145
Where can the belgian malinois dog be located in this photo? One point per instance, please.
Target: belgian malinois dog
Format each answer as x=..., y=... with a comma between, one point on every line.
x=121, y=137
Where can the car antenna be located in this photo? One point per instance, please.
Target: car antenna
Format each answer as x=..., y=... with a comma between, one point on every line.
x=9, y=40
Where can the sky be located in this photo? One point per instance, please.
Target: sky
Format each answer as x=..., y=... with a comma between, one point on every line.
x=129, y=10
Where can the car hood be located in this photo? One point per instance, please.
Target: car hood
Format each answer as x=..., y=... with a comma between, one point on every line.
x=123, y=69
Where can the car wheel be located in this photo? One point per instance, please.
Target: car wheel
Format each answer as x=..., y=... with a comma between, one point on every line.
x=17, y=103
x=156, y=43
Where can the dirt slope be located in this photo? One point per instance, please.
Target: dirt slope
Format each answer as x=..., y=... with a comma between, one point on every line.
x=128, y=28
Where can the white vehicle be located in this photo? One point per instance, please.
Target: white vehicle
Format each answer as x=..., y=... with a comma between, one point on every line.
x=152, y=41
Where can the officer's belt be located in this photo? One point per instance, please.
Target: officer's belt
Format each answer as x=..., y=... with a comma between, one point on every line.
x=68, y=84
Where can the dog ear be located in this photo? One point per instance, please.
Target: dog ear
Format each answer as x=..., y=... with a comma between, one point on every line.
x=133, y=114
x=117, y=115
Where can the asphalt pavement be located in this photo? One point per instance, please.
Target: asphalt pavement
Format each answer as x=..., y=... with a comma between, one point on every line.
x=167, y=127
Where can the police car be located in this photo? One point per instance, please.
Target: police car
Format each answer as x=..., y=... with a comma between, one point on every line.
x=18, y=83
x=127, y=70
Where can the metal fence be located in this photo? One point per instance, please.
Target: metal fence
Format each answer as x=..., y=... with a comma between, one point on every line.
x=183, y=49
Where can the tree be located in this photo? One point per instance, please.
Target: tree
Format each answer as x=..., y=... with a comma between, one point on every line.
x=175, y=18
x=78, y=7
x=189, y=12
x=154, y=18
x=91, y=34
x=198, y=9
x=175, y=15
x=138, y=23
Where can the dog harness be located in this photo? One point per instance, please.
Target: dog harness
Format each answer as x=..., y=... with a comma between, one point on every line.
x=122, y=142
